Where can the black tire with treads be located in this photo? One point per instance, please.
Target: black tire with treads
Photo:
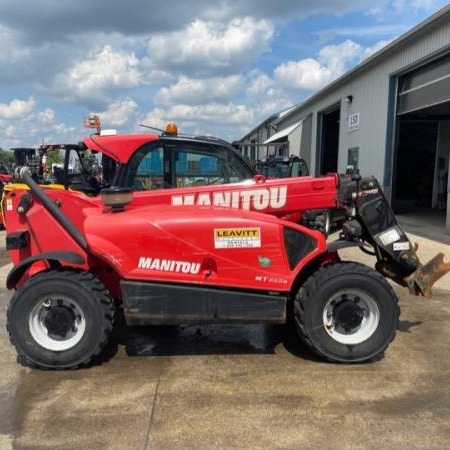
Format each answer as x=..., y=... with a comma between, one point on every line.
x=346, y=312
x=60, y=319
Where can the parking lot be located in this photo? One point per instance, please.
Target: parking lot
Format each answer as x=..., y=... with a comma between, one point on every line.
x=238, y=387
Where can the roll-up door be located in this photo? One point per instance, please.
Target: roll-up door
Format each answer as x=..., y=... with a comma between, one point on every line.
x=425, y=87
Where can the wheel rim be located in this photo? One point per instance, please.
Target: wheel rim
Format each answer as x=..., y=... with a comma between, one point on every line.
x=57, y=323
x=351, y=316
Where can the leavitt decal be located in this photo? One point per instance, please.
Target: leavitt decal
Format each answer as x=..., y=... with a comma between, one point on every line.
x=253, y=199
x=237, y=237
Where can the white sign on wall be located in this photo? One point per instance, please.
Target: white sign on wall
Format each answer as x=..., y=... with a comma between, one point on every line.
x=353, y=122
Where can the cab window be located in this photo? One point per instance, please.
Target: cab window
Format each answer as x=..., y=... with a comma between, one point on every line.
x=150, y=173
x=83, y=172
x=196, y=169
x=183, y=165
x=299, y=168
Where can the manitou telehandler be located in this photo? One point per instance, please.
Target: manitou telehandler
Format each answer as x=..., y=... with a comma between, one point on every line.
x=182, y=236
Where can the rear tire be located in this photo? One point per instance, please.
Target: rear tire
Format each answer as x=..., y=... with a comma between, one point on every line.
x=346, y=312
x=60, y=319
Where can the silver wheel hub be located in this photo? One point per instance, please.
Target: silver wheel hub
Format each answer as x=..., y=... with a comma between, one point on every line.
x=57, y=323
x=351, y=317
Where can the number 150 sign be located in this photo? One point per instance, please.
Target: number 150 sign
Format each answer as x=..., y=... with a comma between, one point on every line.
x=353, y=122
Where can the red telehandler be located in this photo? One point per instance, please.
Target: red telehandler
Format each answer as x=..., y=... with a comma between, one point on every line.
x=181, y=235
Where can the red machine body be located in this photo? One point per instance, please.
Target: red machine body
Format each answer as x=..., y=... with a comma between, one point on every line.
x=185, y=222
x=5, y=177
x=211, y=253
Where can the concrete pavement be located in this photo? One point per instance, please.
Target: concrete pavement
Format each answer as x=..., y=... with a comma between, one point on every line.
x=238, y=387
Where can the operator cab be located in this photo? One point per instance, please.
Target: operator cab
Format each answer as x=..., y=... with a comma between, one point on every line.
x=72, y=166
x=168, y=160
x=78, y=168
x=173, y=162
x=282, y=167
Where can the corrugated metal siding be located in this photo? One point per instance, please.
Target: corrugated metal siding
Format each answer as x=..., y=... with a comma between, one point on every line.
x=294, y=141
x=370, y=91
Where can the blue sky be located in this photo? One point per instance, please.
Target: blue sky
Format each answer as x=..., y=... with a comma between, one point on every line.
x=213, y=67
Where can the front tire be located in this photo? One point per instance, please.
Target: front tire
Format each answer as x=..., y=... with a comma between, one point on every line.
x=60, y=319
x=346, y=312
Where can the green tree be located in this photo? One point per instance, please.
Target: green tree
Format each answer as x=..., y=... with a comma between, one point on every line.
x=6, y=158
x=53, y=157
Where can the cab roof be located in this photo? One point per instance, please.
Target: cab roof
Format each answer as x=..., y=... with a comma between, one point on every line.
x=119, y=147
x=122, y=147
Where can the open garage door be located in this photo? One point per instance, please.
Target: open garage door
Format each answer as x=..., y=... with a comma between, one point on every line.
x=423, y=139
x=425, y=87
x=327, y=156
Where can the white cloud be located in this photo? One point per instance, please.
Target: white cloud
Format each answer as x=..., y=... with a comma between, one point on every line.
x=281, y=9
x=223, y=120
x=74, y=19
x=337, y=57
x=104, y=69
x=385, y=30
x=157, y=118
x=406, y=12
x=415, y=5
x=263, y=95
x=119, y=113
x=47, y=116
x=10, y=131
x=195, y=91
x=369, y=51
x=15, y=59
x=206, y=64
x=228, y=121
x=307, y=75
x=209, y=47
x=36, y=128
x=21, y=125
x=213, y=113
x=16, y=109
x=259, y=84
x=312, y=74
x=189, y=104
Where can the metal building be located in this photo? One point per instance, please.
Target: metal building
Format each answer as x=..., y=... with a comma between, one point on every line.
x=389, y=117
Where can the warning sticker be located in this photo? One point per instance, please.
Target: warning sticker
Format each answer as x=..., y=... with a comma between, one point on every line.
x=237, y=237
x=389, y=236
x=399, y=246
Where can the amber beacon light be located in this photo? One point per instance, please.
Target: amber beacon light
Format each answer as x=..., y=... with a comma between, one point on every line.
x=172, y=129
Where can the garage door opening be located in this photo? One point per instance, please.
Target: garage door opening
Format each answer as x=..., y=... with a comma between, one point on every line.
x=329, y=141
x=422, y=154
x=416, y=155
